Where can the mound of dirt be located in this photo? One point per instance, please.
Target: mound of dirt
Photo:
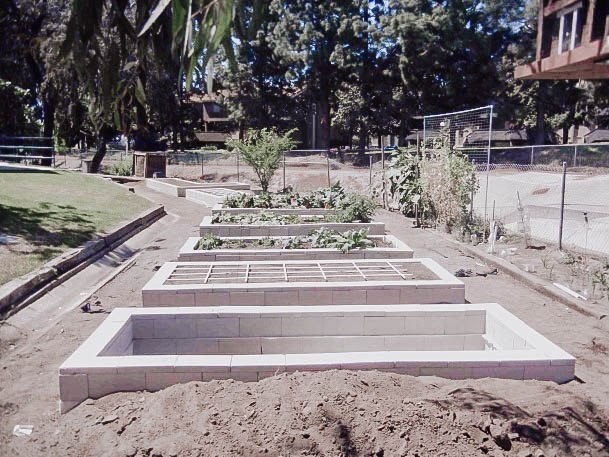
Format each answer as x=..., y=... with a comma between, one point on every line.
x=330, y=414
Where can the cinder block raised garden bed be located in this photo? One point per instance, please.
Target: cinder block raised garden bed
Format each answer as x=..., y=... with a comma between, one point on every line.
x=212, y=197
x=150, y=349
x=302, y=282
x=222, y=229
x=221, y=209
x=177, y=187
x=394, y=249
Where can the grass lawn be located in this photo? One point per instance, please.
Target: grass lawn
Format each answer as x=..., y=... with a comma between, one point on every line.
x=49, y=212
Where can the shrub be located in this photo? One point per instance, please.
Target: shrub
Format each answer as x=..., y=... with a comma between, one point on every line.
x=122, y=168
x=405, y=184
x=439, y=185
x=263, y=150
x=448, y=180
x=356, y=208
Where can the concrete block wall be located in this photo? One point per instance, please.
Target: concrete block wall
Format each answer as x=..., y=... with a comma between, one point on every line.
x=188, y=253
x=177, y=187
x=233, y=230
x=452, y=338
x=220, y=209
x=445, y=289
x=211, y=197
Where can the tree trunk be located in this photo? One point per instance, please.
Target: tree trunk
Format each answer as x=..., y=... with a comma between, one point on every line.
x=100, y=152
x=540, y=134
x=565, y=134
x=364, y=89
x=48, y=110
x=323, y=117
x=362, y=144
x=402, y=130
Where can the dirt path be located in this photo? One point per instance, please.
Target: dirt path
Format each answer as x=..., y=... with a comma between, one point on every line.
x=332, y=413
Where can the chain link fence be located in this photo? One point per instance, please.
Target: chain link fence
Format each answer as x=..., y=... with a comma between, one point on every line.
x=525, y=194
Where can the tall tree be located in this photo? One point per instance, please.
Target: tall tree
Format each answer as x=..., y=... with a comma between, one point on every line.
x=113, y=43
x=314, y=38
x=260, y=93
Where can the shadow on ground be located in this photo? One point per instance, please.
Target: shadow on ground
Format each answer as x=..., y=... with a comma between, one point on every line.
x=568, y=428
x=47, y=225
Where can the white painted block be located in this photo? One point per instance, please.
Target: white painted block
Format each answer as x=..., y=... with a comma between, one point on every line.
x=158, y=381
x=220, y=327
x=73, y=387
x=194, y=346
x=104, y=384
x=260, y=326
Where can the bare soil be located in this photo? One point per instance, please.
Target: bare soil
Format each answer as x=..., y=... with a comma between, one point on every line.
x=580, y=271
x=337, y=413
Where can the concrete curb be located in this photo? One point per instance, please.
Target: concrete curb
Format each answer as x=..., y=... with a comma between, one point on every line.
x=535, y=283
x=20, y=292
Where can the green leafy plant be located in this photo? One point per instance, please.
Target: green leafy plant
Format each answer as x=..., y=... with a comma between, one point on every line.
x=288, y=197
x=295, y=242
x=448, y=180
x=356, y=208
x=437, y=186
x=405, y=183
x=600, y=278
x=323, y=198
x=264, y=200
x=548, y=264
x=263, y=150
x=208, y=242
x=353, y=239
x=263, y=218
x=240, y=200
x=323, y=238
x=266, y=242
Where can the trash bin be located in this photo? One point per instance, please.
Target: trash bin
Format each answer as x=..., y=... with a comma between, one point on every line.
x=149, y=163
x=86, y=166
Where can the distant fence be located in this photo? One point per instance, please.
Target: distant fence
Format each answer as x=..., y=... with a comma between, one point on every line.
x=526, y=193
x=27, y=149
x=593, y=155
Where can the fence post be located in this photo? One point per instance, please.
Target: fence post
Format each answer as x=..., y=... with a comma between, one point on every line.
x=575, y=157
x=237, y=166
x=532, y=148
x=562, y=204
x=370, y=177
x=202, y=168
x=283, y=171
x=328, y=163
x=488, y=172
x=471, y=203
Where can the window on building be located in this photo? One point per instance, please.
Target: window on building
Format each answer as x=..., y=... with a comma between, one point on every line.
x=570, y=29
